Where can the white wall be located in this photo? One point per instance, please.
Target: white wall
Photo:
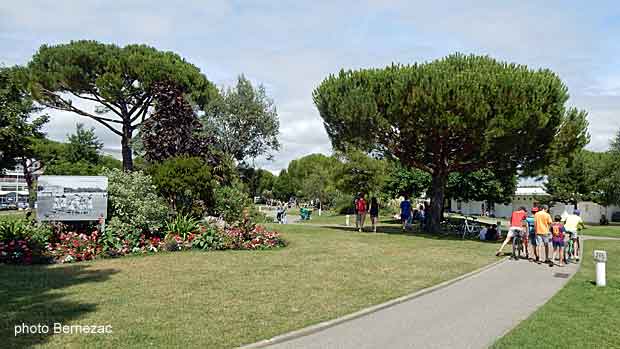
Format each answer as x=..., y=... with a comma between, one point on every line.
x=503, y=211
x=590, y=211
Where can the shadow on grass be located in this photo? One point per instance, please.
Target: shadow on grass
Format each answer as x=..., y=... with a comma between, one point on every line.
x=32, y=295
x=397, y=230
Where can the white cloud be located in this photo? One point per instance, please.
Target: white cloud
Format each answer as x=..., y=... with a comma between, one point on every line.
x=292, y=46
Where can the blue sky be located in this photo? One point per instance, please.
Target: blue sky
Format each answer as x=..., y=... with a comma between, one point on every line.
x=290, y=46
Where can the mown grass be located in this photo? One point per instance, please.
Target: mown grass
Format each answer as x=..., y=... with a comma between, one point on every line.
x=14, y=214
x=602, y=230
x=226, y=299
x=339, y=219
x=581, y=315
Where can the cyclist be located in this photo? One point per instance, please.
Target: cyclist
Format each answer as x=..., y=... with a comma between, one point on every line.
x=573, y=223
x=517, y=226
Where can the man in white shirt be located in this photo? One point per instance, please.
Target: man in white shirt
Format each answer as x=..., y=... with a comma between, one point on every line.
x=573, y=223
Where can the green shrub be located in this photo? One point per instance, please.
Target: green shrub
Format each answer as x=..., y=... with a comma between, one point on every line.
x=23, y=241
x=23, y=229
x=186, y=182
x=230, y=202
x=209, y=237
x=114, y=234
x=344, y=205
x=259, y=217
x=13, y=229
x=182, y=225
x=133, y=199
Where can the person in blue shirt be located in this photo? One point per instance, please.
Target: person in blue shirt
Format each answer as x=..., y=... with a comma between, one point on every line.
x=405, y=211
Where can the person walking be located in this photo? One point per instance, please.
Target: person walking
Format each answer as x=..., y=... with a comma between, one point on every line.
x=542, y=222
x=422, y=216
x=558, y=231
x=517, y=227
x=531, y=233
x=357, y=222
x=361, y=208
x=573, y=224
x=374, y=213
x=405, y=211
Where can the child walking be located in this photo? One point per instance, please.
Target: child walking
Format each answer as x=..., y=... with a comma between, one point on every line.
x=557, y=238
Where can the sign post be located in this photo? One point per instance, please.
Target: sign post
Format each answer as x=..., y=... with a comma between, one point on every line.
x=600, y=257
x=72, y=198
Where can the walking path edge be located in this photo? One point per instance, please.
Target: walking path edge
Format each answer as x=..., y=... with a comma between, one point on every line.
x=366, y=311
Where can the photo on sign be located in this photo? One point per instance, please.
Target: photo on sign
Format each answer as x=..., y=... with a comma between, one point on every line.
x=72, y=198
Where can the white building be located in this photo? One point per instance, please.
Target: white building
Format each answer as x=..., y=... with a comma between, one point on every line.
x=528, y=193
x=13, y=187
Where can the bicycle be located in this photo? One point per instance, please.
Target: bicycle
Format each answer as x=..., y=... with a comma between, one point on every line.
x=469, y=230
x=517, y=245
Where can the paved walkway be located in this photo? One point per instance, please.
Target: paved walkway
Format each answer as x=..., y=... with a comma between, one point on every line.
x=471, y=313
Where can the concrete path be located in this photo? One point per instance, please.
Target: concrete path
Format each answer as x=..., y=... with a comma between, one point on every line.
x=471, y=313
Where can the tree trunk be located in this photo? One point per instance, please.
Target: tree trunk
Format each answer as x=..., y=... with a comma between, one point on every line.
x=126, y=148
x=28, y=176
x=438, y=193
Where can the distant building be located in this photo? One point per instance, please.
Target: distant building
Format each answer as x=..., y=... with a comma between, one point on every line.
x=13, y=187
x=528, y=193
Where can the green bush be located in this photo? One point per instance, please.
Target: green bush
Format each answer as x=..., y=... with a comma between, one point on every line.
x=344, y=205
x=23, y=241
x=208, y=238
x=186, y=182
x=13, y=229
x=182, y=225
x=116, y=233
x=23, y=229
x=259, y=217
x=230, y=202
x=133, y=199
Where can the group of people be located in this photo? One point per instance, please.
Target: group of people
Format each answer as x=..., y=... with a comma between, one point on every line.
x=362, y=208
x=409, y=214
x=281, y=214
x=539, y=230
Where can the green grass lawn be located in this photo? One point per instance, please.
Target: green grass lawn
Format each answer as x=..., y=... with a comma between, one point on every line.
x=602, y=230
x=328, y=217
x=225, y=299
x=14, y=213
x=581, y=315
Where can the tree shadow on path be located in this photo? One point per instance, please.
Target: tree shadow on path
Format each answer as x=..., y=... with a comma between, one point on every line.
x=34, y=295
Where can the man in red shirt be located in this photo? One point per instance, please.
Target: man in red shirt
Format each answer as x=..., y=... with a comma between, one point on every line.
x=361, y=207
x=517, y=226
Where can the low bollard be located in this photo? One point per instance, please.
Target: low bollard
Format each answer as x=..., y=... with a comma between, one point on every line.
x=600, y=257
x=347, y=221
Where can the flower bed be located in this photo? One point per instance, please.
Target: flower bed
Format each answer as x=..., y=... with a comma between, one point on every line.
x=26, y=242
x=74, y=247
x=16, y=252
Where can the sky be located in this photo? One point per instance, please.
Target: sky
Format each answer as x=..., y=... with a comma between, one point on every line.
x=291, y=46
